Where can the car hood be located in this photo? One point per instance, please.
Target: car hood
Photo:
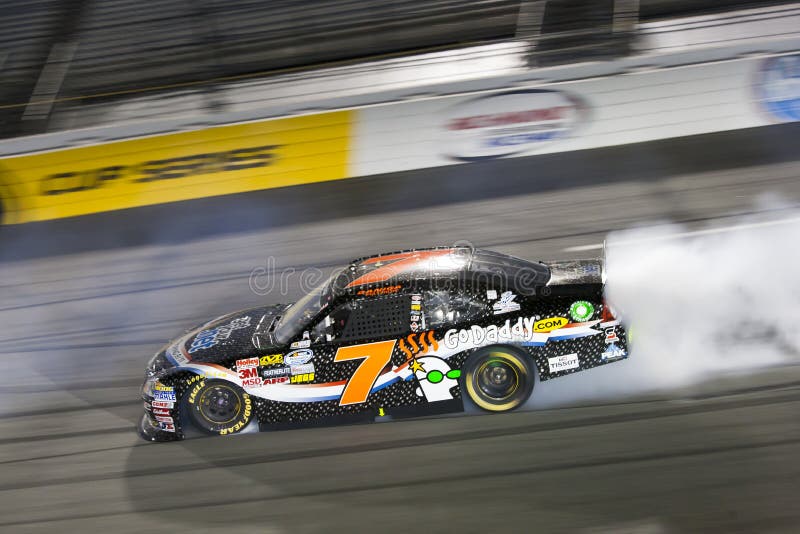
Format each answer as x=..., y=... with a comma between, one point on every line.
x=230, y=336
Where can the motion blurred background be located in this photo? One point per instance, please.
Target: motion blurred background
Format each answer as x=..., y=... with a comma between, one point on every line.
x=155, y=155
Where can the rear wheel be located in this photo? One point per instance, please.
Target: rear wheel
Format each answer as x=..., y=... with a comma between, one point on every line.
x=499, y=378
x=218, y=407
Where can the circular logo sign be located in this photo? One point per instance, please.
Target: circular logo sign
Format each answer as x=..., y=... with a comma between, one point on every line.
x=581, y=310
x=778, y=87
x=509, y=124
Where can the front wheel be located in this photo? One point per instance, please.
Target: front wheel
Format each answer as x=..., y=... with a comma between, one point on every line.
x=218, y=407
x=499, y=378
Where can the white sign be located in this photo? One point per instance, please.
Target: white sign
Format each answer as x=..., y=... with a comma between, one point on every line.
x=563, y=363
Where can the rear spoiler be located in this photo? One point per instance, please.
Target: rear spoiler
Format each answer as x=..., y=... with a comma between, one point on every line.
x=573, y=272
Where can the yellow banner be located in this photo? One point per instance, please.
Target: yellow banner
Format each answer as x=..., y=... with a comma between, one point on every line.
x=172, y=167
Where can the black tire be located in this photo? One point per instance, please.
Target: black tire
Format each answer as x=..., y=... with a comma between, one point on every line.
x=499, y=378
x=218, y=407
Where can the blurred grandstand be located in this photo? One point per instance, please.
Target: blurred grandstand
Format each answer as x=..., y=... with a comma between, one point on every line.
x=80, y=63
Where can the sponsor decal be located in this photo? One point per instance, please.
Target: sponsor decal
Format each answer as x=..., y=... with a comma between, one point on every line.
x=167, y=427
x=417, y=322
x=248, y=372
x=252, y=382
x=590, y=269
x=491, y=294
x=581, y=311
x=477, y=335
x=158, y=386
x=302, y=378
x=509, y=124
x=550, y=324
x=208, y=338
x=159, y=411
x=276, y=371
x=213, y=373
x=247, y=363
x=174, y=351
x=378, y=291
x=611, y=334
x=298, y=357
x=563, y=363
x=302, y=369
x=506, y=304
x=276, y=380
x=613, y=352
x=303, y=344
x=272, y=359
x=164, y=396
x=164, y=419
x=163, y=404
x=778, y=87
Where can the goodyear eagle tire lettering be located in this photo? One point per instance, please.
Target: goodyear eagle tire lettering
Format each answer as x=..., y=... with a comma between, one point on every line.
x=498, y=378
x=217, y=406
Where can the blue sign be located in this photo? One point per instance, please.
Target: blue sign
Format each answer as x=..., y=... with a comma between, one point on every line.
x=778, y=87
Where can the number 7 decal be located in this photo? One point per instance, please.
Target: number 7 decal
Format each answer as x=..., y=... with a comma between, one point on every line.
x=376, y=357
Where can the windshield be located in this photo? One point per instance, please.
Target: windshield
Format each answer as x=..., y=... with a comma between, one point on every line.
x=297, y=316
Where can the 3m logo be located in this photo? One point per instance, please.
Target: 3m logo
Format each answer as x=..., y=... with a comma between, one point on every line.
x=250, y=372
x=551, y=323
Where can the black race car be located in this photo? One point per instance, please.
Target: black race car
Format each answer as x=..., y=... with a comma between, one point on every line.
x=403, y=334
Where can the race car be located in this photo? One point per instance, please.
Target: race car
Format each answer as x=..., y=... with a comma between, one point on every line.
x=403, y=334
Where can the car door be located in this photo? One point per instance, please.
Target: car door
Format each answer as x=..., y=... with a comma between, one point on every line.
x=353, y=346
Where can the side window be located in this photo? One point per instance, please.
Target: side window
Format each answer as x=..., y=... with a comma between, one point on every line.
x=444, y=308
x=368, y=318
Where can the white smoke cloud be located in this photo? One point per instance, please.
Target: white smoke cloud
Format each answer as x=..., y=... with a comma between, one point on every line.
x=702, y=303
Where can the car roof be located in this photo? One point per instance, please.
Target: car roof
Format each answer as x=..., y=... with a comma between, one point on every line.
x=396, y=270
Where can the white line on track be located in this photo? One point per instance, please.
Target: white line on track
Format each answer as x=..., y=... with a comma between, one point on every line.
x=681, y=235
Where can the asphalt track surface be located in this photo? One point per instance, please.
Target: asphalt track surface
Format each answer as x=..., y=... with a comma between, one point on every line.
x=719, y=456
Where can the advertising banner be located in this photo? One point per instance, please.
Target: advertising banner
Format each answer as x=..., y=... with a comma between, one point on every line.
x=173, y=167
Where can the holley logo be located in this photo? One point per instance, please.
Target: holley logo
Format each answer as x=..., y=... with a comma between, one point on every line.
x=509, y=124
